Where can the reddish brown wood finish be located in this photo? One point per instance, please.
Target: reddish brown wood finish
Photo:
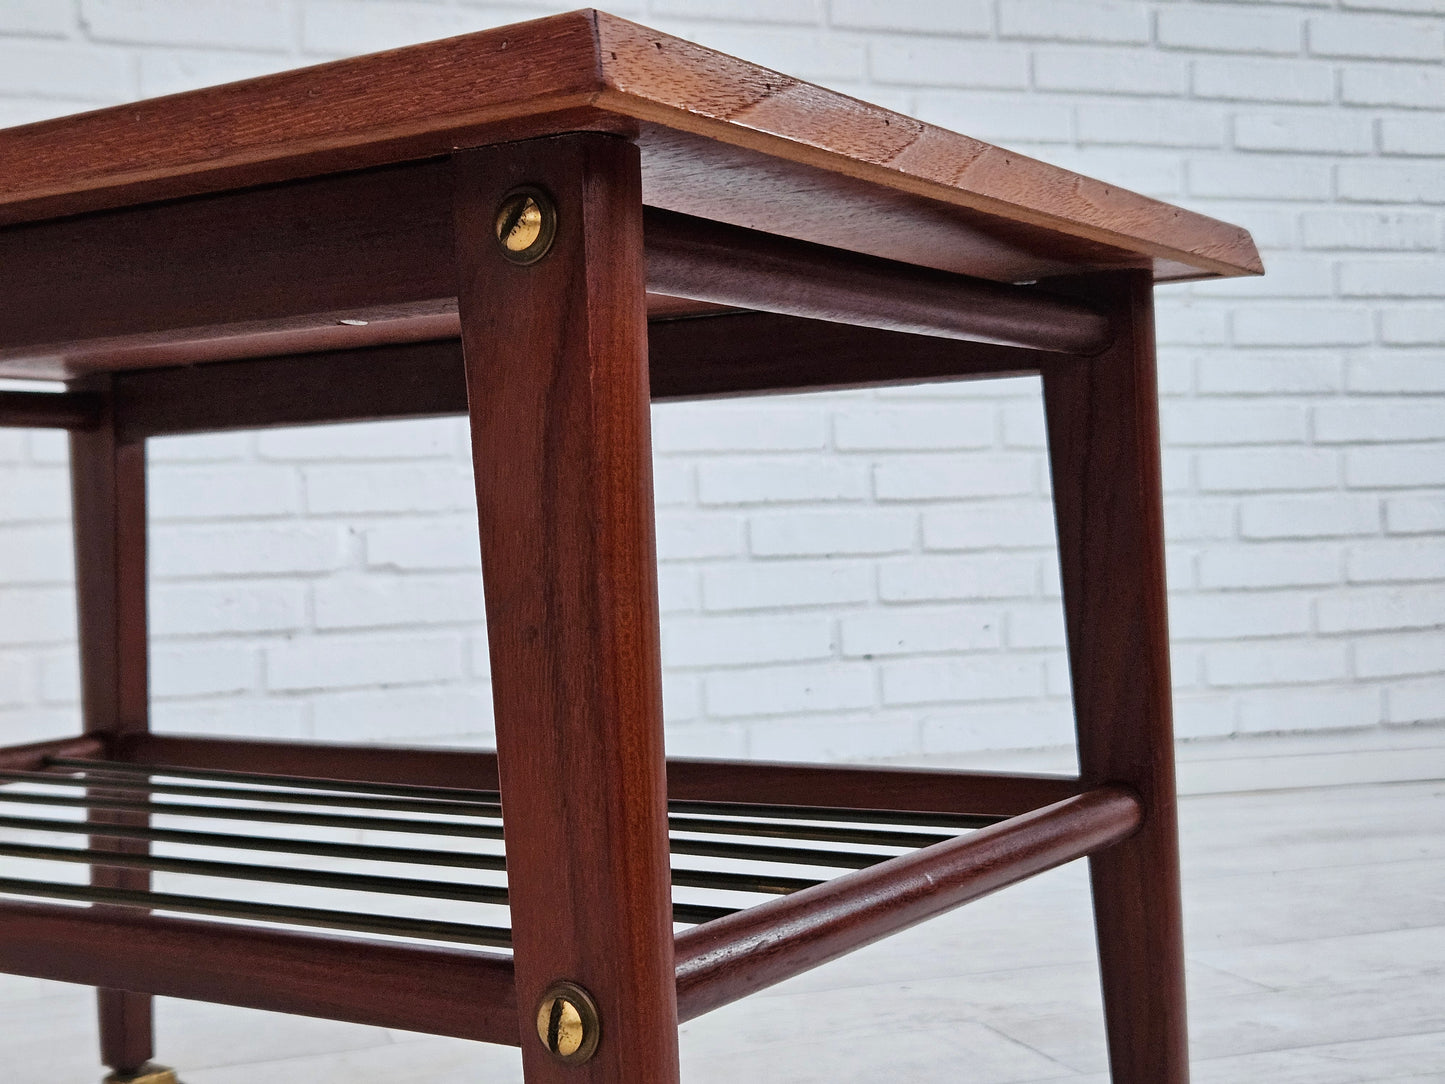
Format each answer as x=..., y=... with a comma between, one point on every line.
x=750, y=950
x=44, y=410
x=708, y=261
x=439, y=991
x=758, y=782
x=109, y=513
x=737, y=354
x=27, y=758
x=1103, y=427
x=557, y=379
x=721, y=138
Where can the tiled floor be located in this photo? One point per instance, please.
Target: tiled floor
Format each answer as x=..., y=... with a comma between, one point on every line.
x=1316, y=942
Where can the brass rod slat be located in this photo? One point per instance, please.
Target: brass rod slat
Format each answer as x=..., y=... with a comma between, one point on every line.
x=876, y=837
x=356, y=922
x=401, y=790
x=683, y=806
x=351, y=882
x=294, y=797
x=367, y=852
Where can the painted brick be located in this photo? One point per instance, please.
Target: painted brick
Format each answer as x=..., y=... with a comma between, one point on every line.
x=1396, y=466
x=1410, y=87
x=1023, y=425
x=997, y=117
x=759, y=481
x=87, y=73
x=371, y=714
x=1114, y=71
x=195, y=493
x=1416, y=701
x=672, y=483
x=389, y=488
x=1229, y=665
x=977, y=677
x=257, y=717
x=717, y=741
x=1324, y=133
x=1282, y=516
x=339, y=28
x=346, y=602
x=29, y=495
x=1398, y=372
x=920, y=632
x=940, y=63
x=745, y=641
x=1391, y=182
x=246, y=550
x=997, y=726
x=1255, y=470
x=1253, y=79
x=1267, y=565
x=779, y=690
x=1396, y=559
x=823, y=534
x=1229, y=30
x=1415, y=515
x=1398, y=656
x=1422, y=277
x=336, y=663
x=257, y=24
x=946, y=477
x=834, y=739
x=968, y=18
x=1413, y=327
x=1340, y=708
x=429, y=544
x=677, y=589
x=1369, y=230
x=200, y=448
x=923, y=579
x=1282, y=325
x=806, y=54
x=36, y=615
x=1152, y=124
x=1422, y=7
x=682, y=537
x=1008, y=525
x=14, y=681
x=1259, y=178
x=1241, y=373
x=1379, y=609
x=1074, y=20
x=921, y=427
x=1239, y=616
x=1036, y=625
x=41, y=17
x=36, y=555
x=769, y=586
x=218, y=609
x=1196, y=519
x=1412, y=135
x=681, y=700
x=1378, y=422
x=712, y=427
x=1373, y=38
x=174, y=70
x=1211, y=423
x=750, y=11
x=186, y=670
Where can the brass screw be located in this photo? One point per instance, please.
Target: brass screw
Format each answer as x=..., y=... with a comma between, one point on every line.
x=526, y=224
x=567, y=1023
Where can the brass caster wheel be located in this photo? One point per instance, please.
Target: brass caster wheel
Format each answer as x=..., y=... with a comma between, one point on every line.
x=146, y=1074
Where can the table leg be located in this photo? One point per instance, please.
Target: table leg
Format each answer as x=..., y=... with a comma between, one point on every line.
x=557, y=383
x=1103, y=426
x=109, y=515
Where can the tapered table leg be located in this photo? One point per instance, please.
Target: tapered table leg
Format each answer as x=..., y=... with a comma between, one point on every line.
x=554, y=335
x=109, y=515
x=1103, y=426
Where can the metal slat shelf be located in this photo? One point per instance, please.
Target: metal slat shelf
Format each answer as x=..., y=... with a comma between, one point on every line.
x=122, y=799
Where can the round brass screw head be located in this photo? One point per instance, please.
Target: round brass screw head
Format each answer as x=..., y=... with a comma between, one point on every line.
x=526, y=224
x=567, y=1023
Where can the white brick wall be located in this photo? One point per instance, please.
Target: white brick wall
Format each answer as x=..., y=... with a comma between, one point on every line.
x=863, y=574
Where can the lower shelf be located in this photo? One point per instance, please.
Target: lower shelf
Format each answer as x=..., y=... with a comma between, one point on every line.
x=124, y=808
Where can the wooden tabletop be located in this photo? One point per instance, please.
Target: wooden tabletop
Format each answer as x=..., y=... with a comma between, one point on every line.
x=720, y=138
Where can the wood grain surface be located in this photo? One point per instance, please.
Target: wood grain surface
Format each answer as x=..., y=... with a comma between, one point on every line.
x=720, y=137
x=1103, y=435
x=556, y=360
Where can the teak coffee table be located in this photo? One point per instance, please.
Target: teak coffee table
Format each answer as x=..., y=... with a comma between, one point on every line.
x=546, y=227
